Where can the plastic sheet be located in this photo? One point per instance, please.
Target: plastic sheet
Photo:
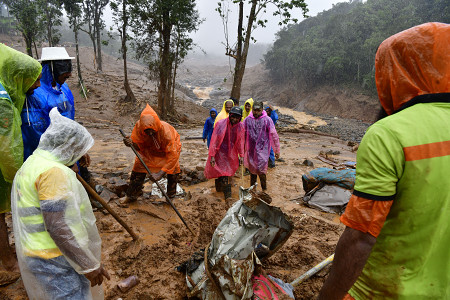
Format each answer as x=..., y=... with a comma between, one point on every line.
x=162, y=150
x=261, y=136
x=250, y=223
x=52, y=215
x=328, y=198
x=18, y=72
x=227, y=142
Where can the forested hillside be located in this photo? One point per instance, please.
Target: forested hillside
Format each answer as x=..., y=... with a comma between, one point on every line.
x=338, y=46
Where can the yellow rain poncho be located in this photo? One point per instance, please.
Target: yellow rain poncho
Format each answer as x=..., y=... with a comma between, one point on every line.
x=18, y=72
x=245, y=114
x=223, y=114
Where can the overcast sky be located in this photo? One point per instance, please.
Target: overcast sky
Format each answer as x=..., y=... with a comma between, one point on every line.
x=210, y=35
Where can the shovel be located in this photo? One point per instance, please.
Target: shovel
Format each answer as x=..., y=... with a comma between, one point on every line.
x=157, y=183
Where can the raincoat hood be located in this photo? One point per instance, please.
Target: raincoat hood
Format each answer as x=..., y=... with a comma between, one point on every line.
x=263, y=114
x=223, y=114
x=213, y=110
x=47, y=79
x=245, y=114
x=411, y=63
x=148, y=120
x=18, y=72
x=65, y=139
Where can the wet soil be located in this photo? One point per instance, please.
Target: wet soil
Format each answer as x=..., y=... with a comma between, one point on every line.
x=166, y=241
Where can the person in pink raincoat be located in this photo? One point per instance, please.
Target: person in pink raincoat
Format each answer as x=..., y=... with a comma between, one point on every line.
x=261, y=136
x=226, y=151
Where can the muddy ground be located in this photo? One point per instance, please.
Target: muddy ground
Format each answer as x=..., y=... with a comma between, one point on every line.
x=166, y=241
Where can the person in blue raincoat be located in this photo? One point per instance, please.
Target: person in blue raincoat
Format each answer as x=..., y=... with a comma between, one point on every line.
x=209, y=126
x=274, y=116
x=53, y=92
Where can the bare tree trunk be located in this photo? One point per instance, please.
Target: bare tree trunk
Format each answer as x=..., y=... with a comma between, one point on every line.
x=35, y=50
x=99, y=47
x=28, y=44
x=130, y=96
x=49, y=25
x=241, y=58
x=163, y=101
x=175, y=71
x=77, y=51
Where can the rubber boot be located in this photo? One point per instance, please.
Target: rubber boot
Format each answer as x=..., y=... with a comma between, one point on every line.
x=227, y=191
x=263, y=180
x=253, y=178
x=172, y=181
x=135, y=186
x=218, y=183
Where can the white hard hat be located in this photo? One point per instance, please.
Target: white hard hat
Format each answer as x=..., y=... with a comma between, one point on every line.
x=54, y=53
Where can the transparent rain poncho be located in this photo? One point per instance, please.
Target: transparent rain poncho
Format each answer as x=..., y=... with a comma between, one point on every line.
x=227, y=142
x=18, y=72
x=261, y=136
x=52, y=215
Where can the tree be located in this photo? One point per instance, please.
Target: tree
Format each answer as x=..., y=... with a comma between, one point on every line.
x=239, y=50
x=154, y=23
x=74, y=14
x=93, y=11
x=121, y=15
x=28, y=21
x=51, y=18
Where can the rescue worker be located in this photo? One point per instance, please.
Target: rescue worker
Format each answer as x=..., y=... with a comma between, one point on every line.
x=227, y=105
x=247, y=108
x=261, y=136
x=159, y=145
x=274, y=116
x=396, y=243
x=53, y=92
x=209, y=126
x=226, y=151
x=57, y=242
x=19, y=74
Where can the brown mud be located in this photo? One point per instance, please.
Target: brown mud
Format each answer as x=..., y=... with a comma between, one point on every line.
x=166, y=241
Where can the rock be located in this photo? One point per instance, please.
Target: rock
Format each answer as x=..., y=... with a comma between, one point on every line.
x=297, y=163
x=107, y=195
x=312, y=122
x=117, y=185
x=308, y=163
x=200, y=168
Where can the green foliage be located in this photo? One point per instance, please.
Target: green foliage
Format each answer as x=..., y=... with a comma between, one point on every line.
x=338, y=46
x=29, y=20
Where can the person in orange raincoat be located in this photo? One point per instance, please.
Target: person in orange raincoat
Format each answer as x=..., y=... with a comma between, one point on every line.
x=160, y=147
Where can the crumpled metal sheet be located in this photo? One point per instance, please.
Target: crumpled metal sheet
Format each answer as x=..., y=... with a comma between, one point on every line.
x=249, y=224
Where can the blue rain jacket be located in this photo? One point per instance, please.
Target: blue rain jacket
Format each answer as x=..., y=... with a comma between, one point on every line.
x=35, y=112
x=209, y=127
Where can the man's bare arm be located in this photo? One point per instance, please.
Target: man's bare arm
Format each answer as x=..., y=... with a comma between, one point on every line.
x=352, y=252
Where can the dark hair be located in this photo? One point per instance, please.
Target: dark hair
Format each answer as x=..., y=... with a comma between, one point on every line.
x=235, y=101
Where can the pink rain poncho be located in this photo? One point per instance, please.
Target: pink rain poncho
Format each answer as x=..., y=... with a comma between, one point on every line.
x=227, y=142
x=261, y=135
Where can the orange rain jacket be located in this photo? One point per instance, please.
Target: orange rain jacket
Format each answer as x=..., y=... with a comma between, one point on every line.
x=162, y=150
x=400, y=80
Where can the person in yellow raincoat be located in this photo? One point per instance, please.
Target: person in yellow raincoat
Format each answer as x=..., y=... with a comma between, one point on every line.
x=19, y=74
x=247, y=108
x=160, y=147
x=227, y=105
